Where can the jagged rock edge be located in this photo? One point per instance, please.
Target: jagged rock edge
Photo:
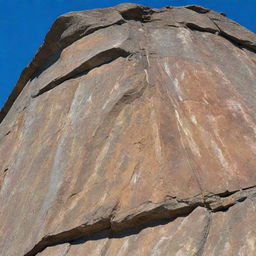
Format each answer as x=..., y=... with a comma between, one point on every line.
x=156, y=211
x=32, y=68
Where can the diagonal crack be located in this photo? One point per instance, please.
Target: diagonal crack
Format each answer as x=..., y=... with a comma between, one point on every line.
x=234, y=40
x=94, y=62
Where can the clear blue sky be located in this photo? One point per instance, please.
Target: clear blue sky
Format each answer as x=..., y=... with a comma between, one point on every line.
x=24, y=23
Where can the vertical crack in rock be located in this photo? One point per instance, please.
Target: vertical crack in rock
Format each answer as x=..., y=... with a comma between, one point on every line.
x=205, y=233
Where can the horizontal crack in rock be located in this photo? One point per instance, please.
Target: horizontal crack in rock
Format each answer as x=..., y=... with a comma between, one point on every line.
x=169, y=209
x=223, y=201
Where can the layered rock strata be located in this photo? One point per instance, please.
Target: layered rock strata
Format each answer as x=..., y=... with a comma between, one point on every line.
x=132, y=132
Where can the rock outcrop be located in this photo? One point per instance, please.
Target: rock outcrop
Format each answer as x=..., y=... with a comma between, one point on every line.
x=132, y=132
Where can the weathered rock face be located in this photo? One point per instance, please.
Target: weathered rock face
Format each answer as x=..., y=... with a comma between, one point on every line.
x=132, y=132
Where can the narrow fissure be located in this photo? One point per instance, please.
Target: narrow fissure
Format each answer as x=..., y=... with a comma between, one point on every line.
x=205, y=234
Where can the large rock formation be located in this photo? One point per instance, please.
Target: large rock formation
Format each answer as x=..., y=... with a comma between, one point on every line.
x=132, y=132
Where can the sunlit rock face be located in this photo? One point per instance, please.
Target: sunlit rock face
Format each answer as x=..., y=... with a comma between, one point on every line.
x=132, y=132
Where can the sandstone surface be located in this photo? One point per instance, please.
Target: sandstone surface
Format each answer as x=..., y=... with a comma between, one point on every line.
x=132, y=132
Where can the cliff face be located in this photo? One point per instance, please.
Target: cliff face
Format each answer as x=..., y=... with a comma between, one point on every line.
x=132, y=132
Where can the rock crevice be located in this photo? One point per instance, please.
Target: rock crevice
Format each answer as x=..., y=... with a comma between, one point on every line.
x=146, y=215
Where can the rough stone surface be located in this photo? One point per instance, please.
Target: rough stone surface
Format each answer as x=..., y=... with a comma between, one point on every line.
x=132, y=132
